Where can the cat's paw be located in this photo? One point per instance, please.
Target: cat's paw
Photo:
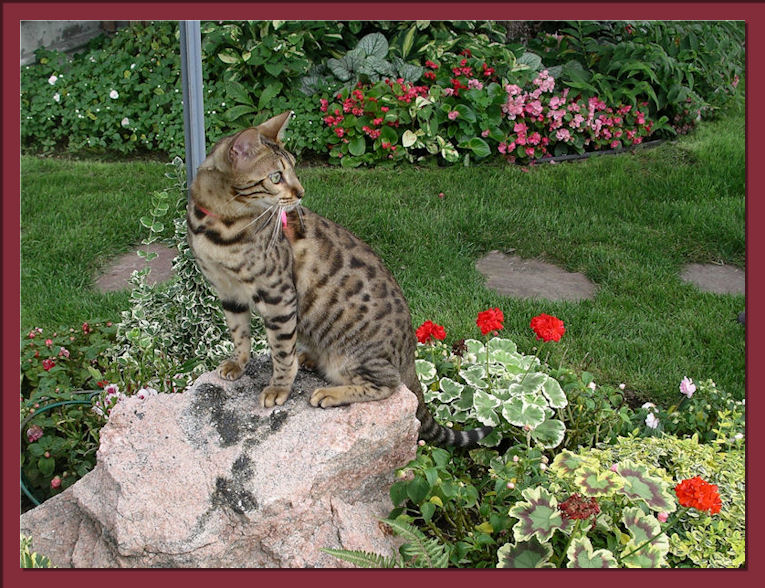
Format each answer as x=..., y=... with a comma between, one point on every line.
x=328, y=397
x=230, y=370
x=274, y=395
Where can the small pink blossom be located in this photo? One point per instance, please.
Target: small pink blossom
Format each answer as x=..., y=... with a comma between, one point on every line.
x=63, y=352
x=662, y=516
x=475, y=84
x=55, y=482
x=687, y=387
x=453, y=115
x=614, y=468
x=485, y=133
x=34, y=433
x=651, y=421
x=49, y=342
x=513, y=90
x=563, y=135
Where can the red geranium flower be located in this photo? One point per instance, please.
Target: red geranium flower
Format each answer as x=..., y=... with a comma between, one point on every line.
x=490, y=320
x=429, y=329
x=698, y=494
x=548, y=328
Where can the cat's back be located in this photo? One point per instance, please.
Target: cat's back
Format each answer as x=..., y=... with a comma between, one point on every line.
x=344, y=288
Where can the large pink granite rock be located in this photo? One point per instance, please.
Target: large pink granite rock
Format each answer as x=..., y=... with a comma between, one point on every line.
x=208, y=479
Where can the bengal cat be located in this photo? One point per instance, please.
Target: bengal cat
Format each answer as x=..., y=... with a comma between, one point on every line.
x=325, y=297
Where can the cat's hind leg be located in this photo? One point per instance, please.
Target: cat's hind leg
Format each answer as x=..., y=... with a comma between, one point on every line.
x=361, y=382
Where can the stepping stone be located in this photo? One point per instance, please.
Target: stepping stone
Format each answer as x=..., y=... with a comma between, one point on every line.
x=116, y=276
x=514, y=276
x=719, y=279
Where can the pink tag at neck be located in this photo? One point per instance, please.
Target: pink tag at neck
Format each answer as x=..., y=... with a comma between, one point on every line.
x=284, y=219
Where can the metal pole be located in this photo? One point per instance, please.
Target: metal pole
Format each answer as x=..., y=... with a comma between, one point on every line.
x=193, y=101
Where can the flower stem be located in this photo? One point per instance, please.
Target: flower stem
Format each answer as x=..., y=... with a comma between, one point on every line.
x=574, y=532
x=536, y=356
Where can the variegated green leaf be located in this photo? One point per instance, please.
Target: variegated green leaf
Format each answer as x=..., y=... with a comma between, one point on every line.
x=554, y=393
x=530, y=383
x=474, y=376
x=538, y=516
x=641, y=528
x=450, y=389
x=648, y=557
x=525, y=554
x=485, y=408
x=638, y=483
x=566, y=463
x=475, y=350
x=581, y=555
x=465, y=401
x=426, y=371
x=520, y=414
x=550, y=433
x=594, y=483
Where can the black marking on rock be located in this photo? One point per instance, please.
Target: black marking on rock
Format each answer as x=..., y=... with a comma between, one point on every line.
x=231, y=494
x=210, y=399
x=278, y=417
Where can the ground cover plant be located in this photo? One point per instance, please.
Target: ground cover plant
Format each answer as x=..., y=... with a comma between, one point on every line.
x=655, y=363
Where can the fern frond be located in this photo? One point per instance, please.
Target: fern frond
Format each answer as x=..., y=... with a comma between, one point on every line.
x=364, y=559
x=419, y=550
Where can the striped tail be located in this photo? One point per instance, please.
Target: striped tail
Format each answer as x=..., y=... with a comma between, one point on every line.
x=437, y=434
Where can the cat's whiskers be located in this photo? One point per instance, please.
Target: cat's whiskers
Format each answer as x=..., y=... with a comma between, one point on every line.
x=277, y=226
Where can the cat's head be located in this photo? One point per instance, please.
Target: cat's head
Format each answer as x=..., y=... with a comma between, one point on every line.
x=249, y=171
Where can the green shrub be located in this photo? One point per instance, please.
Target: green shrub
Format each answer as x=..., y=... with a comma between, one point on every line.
x=685, y=69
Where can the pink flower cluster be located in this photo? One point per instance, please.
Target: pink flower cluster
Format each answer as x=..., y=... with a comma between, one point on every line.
x=555, y=117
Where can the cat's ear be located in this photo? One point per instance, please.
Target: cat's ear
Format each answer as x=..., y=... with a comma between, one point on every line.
x=274, y=128
x=245, y=145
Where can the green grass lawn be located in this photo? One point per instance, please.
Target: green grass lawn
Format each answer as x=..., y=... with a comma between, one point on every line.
x=628, y=223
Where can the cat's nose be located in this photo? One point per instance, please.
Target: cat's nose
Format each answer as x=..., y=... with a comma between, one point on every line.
x=299, y=193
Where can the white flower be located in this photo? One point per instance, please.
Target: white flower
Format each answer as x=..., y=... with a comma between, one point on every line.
x=57, y=97
x=592, y=385
x=648, y=405
x=144, y=393
x=125, y=122
x=112, y=389
x=114, y=94
x=52, y=80
x=687, y=387
x=738, y=436
x=622, y=386
x=132, y=66
x=651, y=421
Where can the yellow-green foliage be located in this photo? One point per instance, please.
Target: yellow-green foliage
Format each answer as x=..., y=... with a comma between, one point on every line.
x=698, y=539
x=29, y=559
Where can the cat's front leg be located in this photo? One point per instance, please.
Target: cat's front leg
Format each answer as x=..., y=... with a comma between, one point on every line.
x=238, y=320
x=279, y=312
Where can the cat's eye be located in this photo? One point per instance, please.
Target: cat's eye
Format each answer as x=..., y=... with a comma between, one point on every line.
x=275, y=177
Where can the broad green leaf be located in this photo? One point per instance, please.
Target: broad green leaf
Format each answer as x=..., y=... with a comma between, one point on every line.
x=474, y=376
x=550, y=433
x=566, y=463
x=417, y=489
x=525, y=554
x=451, y=389
x=485, y=406
x=529, y=60
x=641, y=528
x=554, y=393
x=478, y=146
x=518, y=413
x=475, y=349
x=426, y=371
x=373, y=44
x=357, y=145
x=427, y=509
x=228, y=56
x=503, y=351
x=638, y=483
x=269, y=93
x=408, y=139
x=538, y=516
x=466, y=113
x=236, y=112
x=239, y=93
x=593, y=483
x=581, y=555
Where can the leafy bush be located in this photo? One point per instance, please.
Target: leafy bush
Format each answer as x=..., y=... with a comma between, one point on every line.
x=123, y=94
x=686, y=69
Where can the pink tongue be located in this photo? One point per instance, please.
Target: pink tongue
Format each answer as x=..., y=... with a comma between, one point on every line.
x=284, y=219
